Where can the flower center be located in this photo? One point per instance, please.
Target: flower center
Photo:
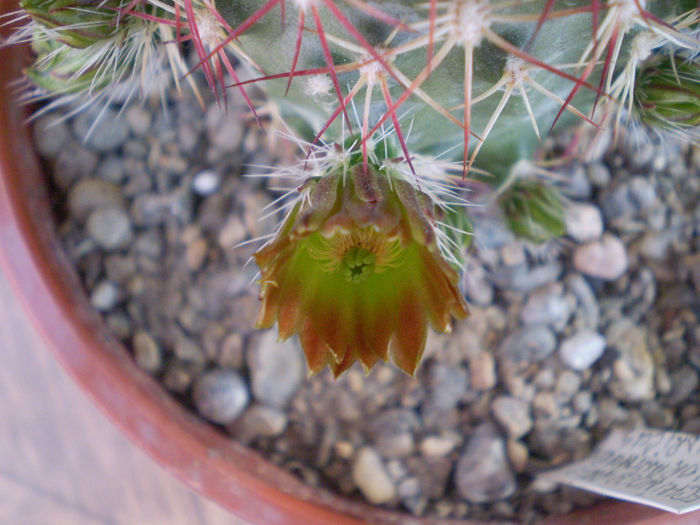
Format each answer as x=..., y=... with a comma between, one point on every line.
x=357, y=264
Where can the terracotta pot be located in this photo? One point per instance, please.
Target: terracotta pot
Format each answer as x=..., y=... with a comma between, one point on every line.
x=234, y=476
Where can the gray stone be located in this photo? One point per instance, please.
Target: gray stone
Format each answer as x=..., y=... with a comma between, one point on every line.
x=546, y=306
x=483, y=473
x=102, y=131
x=584, y=222
x=276, y=369
x=104, y=296
x=50, y=134
x=111, y=169
x=260, y=421
x=74, y=162
x=605, y=259
x=147, y=352
x=447, y=386
x=588, y=312
x=524, y=279
x=371, y=477
x=92, y=194
x=617, y=204
x=491, y=234
x=582, y=349
x=139, y=120
x=531, y=343
x=642, y=193
x=634, y=367
x=599, y=174
x=684, y=381
x=220, y=395
x=567, y=385
x=513, y=415
x=110, y=228
x=477, y=287
x=187, y=350
x=224, y=129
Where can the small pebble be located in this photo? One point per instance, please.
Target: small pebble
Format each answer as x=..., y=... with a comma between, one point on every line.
x=102, y=131
x=605, y=259
x=371, y=477
x=206, y=182
x=584, y=222
x=483, y=473
x=513, y=415
x=93, y=194
x=110, y=228
x=104, y=296
x=276, y=369
x=147, y=352
x=50, y=134
x=220, y=395
x=531, y=343
x=582, y=349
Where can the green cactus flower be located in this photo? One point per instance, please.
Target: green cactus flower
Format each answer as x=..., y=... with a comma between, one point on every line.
x=356, y=271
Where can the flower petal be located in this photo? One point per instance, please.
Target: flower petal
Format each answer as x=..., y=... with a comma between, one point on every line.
x=408, y=342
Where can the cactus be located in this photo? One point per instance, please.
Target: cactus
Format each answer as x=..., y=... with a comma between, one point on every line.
x=428, y=96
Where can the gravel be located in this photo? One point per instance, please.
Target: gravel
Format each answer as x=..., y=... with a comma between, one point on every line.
x=565, y=340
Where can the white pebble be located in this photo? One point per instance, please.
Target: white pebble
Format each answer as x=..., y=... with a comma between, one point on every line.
x=582, y=349
x=371, y=477
x=584, y=222
x=206, y=182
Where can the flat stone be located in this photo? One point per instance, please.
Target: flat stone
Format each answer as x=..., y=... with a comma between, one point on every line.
x=483, y=473
x=371, y=477
x=580, y=350
x=220, y=395
x=605, y=259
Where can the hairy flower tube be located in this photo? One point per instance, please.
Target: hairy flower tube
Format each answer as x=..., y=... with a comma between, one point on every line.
x=355, y=269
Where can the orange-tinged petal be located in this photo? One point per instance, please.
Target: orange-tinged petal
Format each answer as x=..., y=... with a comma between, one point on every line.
x=317, y=353
x=408, y=342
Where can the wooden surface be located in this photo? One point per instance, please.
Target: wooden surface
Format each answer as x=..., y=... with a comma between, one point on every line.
x=61, y=461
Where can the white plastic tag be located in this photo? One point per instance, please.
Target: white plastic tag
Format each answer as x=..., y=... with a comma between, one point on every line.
x=653, y=467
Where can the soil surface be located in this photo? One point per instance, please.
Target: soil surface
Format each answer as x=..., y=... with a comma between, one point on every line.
x=565, y=340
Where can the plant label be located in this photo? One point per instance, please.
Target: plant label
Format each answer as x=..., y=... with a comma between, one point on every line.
x=652, y=467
